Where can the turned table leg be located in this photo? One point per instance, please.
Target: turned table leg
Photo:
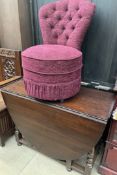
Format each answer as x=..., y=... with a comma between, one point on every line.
x=2, y=143
x=18, y=136
x=89, y=163
x=69, y=165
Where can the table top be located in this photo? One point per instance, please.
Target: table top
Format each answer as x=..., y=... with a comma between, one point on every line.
x=89, y=102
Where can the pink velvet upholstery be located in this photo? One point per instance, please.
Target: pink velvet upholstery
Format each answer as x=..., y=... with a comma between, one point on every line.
x=52, y=71
x=51, y=59
x=65, y=22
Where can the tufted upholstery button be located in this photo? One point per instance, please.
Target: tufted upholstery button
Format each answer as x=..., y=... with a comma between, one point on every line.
x=59, y=18
x=51, y=26
x=63, y=27
x=55, y=35
x=70, y=18
x=73, y=27
x=66, y=9
x=77, y=8
x=46, y=16
x=54, y=8
x=67, y=37
x=79, y=15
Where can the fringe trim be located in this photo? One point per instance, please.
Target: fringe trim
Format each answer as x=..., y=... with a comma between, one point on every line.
x=52, y=92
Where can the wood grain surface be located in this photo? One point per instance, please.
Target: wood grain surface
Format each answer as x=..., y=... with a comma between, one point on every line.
x=63, y=131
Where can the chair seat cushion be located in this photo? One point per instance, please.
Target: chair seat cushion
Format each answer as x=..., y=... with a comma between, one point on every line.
x=52, y=72
x=55, y=78
x=51, y=59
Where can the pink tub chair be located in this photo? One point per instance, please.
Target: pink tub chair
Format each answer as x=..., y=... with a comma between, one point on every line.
x=52, y=71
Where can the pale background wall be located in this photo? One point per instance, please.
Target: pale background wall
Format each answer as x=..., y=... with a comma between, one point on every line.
x=10, y=35
x=15, y=25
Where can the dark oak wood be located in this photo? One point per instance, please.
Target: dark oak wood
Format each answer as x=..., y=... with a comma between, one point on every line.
x=6, y=123
x=63, y=130
x=109, y=161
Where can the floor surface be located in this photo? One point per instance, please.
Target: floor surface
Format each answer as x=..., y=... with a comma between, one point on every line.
x=21, y=160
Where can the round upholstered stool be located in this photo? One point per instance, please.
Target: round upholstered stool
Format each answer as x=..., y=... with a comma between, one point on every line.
x=52, y=72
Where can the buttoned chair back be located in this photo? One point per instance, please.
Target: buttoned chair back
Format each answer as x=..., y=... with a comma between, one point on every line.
x=65, y=22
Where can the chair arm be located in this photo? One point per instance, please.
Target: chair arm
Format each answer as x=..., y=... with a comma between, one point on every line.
x=3, y=83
